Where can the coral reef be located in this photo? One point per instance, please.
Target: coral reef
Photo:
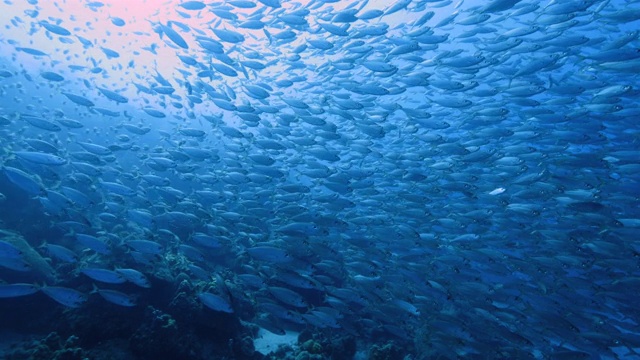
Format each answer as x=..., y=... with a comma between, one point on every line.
x=165, y=320
x=317, y=346
x=52, y=347
x=312, y=347
x=160, y=337
x=389, y=351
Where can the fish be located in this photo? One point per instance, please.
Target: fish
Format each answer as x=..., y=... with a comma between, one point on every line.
x=104, y=275
x=40, y=123
x=41, y=158
x=145, y=246
x=372, y=14
x=117, y=188
x=215, y=302
x=17, y=290
x=154, y=112
x=192, y=5
x=288, y=296
x=93, y=243
x=116, y=297
x=32, y=51
x=499, y=5
x=269, y=254
x=94, y=148
x=399, y=5
x=24, y=181
x=197, y=133
x=135, y=277
x=65, y=296
x=56, y=29
x=174, y=36
x=117, y=21
x=229, y=36
x=70, y=123
x=78, y=99
x=112, y=95
x=110, y=53
x=9, y=251
x=61, y=253
x=138, y=130
x=78, y=198
x=242, y=4
x=52, y=76
x=252, y=24
x=271, y=3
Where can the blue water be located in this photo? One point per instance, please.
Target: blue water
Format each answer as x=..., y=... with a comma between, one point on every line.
x=320, y=180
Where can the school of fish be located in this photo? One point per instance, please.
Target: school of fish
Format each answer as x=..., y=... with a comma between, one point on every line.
x=463, y=176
